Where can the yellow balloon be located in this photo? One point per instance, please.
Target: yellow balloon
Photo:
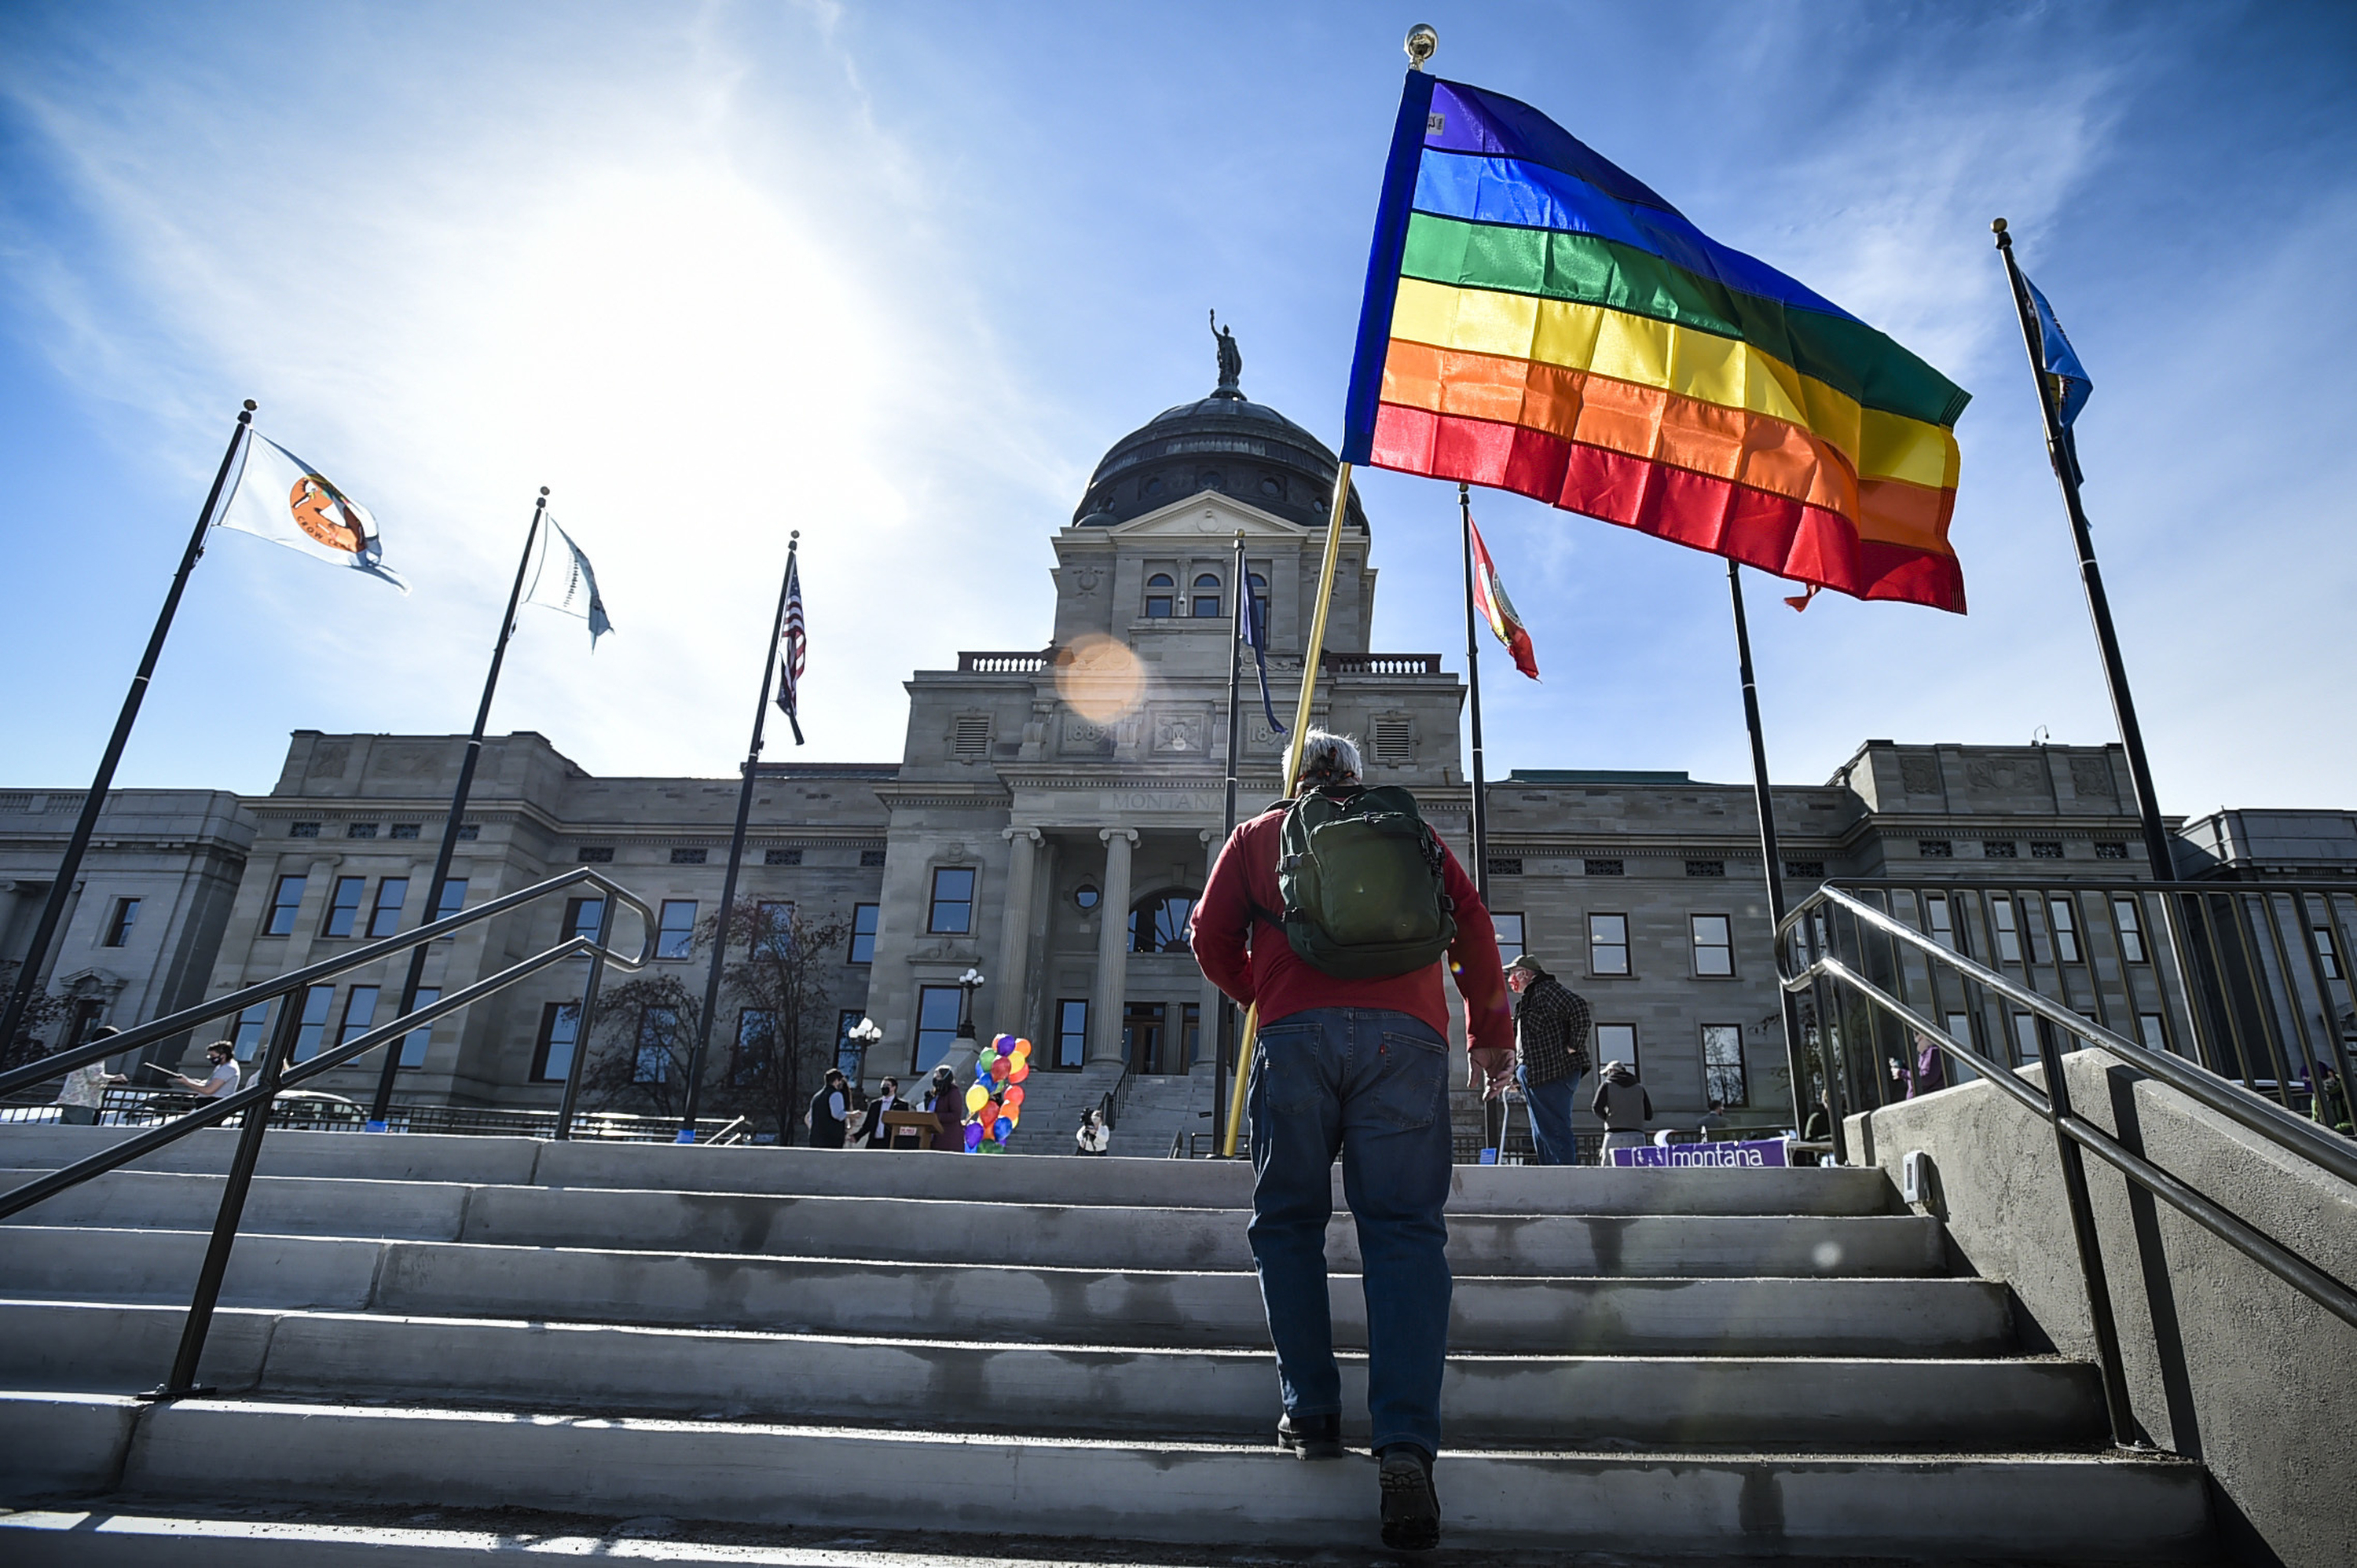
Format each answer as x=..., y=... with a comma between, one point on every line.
x=976, y=1098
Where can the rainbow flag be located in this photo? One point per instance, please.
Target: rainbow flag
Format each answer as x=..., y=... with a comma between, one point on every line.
x=1537, y=320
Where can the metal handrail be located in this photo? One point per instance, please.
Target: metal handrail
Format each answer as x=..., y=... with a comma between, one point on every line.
x=58, y=1063
x=2250, y=1111
x=2255, y=1112
x=277, y=1075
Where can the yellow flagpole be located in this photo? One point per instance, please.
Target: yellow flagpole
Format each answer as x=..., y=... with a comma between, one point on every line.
x=1310, y=658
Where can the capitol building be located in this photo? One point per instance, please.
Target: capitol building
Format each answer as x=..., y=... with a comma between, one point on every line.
x=1048, y=823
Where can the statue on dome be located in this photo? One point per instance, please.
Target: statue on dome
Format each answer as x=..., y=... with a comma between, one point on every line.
x=1232, y=359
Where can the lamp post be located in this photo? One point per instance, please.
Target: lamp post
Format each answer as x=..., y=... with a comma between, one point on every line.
x=968, y=984
x=852, y=1059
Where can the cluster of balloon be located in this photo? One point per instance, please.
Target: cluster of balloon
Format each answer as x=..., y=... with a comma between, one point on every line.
x=994, y=1106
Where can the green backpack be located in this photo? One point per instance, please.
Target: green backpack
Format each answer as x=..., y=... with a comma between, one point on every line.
x=1361, y=875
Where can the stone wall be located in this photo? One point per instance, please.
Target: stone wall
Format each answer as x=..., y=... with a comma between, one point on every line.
x=2225, y=1363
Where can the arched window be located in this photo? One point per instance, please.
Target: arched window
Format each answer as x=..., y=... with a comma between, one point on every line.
x=1160, y=588
x=1207, y=596
x=1260, y=599
x=1158, y=923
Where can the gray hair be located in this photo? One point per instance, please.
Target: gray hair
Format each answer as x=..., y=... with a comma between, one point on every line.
x=1328, y=758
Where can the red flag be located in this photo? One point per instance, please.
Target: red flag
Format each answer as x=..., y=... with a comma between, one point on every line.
x=1490, y=598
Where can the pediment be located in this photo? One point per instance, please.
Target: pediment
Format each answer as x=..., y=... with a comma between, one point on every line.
x=1209, y=514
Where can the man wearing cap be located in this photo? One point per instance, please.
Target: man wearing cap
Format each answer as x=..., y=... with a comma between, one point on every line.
x=1551, y=1037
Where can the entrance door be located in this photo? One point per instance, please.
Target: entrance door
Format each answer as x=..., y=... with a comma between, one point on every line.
x=1141, y=1035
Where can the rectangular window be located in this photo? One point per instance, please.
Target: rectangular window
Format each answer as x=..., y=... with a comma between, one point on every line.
x=1601, y=868
x=1960, y=1029
x=284, y=903
x=1190, y=1020
x=773, y=930
x=405, y=830
x=1608, y=944
x=2125, y=917
x=1071, y=1032
x=1616, y=1042
x=782, y=857
x=1505, y=866
x=2000, y=849
x=453, y=898
x=2063, y=916
x=252, y=1026
x=1935, y=849
x=952, y=903
x=552, y=1054
x=871, y=857
x=757, y=1036
x=302, y=829
x=126, y=915
x=1509, y=935
x=2328, y=957
x=359, y=1014
x=595, y=855
x=2045, y=851
x=2008, y=937
x=863, y=933
x=658, y=1033
x=687, y=857
x=937, y=1021
x=2111, y=852
x=675, y=936
x=314, y=1026
x=1805, y=868
x=2152, y=1031
x=413, y=1043
x=847, y=1056
x=1705, y=868
x=1714, y=945
x=344, y=907
x=583, y=915
x=360, y=830
x=1940, y=921
x=2025, y=1036
x=384, y=916
x=1722, y=1081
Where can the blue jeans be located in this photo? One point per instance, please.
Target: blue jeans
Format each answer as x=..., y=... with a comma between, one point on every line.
x=1551, y=1108
x=1373, y=1086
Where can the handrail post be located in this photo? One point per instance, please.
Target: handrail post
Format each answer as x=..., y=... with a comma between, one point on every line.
x=2090, y=1244
x=581, y=1019
x=182, y=1383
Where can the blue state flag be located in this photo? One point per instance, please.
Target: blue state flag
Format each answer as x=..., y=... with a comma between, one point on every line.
x=2069, y=378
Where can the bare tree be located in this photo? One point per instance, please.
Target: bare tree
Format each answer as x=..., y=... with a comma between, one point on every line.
x=648, y=1027
x=43, y=1009
x=767, y=1054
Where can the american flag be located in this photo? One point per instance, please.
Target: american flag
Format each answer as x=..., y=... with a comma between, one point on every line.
x=793, y=645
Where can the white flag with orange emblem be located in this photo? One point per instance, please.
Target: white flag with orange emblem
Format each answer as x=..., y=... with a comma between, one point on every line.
x=283, y=498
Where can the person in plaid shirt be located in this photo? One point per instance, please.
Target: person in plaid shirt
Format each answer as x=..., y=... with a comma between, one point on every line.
x=1551, y=1037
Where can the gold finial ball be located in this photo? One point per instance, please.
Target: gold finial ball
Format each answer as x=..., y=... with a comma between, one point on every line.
x=1422, y=41
x=1996, y=225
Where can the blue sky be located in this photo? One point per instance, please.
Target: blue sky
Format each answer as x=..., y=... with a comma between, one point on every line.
x=897, y=275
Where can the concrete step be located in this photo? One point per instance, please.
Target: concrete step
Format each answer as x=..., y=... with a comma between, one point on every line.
x=2086, y=1508
x=1037, y=1234
x=1013, y=1179
x=1842, y=1316
x=1488, y=1400
x=257, y=1536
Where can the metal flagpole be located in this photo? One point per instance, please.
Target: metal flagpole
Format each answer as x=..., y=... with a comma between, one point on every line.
x=1473, y=685
x=382, y=1103
x=1770, y=856
x=1310, y=656
x=737, y=855
x=2091, y=576
x=28, y=978
x=1224, y=1062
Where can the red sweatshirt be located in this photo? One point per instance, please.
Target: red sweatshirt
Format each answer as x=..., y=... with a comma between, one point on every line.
x=1275, y=975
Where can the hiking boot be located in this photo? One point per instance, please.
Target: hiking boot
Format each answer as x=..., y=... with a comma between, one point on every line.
x=1311, y=1437
x=1411, y=1507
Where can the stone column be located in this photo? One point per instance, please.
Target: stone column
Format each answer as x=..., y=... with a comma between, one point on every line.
x=1112, y=948
x=1008, y=986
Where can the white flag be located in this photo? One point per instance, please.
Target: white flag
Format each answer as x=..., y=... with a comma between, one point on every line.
x=281, y=497
x=563, y=581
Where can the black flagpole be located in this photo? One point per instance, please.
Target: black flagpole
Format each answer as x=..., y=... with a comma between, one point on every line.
x=382, y=1103
x=2091, y=576
x=1225, y=1060
x=1769, y=854
x=1473, y=684
x=28, y=978
x=736, y=854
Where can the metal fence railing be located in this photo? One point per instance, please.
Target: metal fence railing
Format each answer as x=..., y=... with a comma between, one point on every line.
x=1892, y=981
x=305, y=1111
